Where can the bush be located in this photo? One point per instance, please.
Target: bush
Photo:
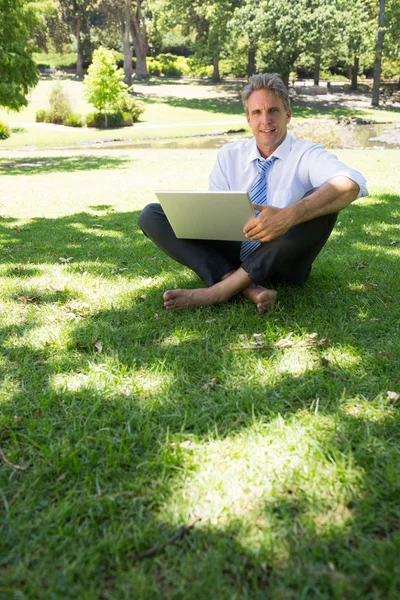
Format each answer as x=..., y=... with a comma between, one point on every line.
x=5, y=131
x=132, y=107
x=198, y=69
x=41, y=116
x=116, y=119
x=73, y=120
x=59, y=104
x=168, y=65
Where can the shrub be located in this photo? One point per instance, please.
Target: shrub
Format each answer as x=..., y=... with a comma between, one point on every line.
x=59, y=104
x=73, y=120
x=41, y=116
x=5, y=131
x=168, y=65
x=132, y=107
x=104, y=85
x=116, y=119
x=198, y=69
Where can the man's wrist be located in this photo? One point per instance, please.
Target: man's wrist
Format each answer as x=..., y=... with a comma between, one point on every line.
x=291, y=215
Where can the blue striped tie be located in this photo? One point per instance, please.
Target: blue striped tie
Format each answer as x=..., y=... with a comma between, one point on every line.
x=258, y=195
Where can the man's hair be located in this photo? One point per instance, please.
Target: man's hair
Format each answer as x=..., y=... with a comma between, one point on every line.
x=266, y=81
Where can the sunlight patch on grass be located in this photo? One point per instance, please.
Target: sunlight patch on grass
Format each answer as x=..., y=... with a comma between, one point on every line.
x=258, y=475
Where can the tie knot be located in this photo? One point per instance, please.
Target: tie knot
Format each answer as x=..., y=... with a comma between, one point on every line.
x=263, y=165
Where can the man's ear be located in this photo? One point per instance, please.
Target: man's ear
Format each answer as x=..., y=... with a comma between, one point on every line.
x=288, y=116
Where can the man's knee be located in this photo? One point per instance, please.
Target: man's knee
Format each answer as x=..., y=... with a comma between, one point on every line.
x=147, y=217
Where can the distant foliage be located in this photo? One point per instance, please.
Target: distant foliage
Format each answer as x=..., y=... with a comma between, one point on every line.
x=108, y=93
x=73, y=120
x=5, y=131
x=60, y=111
x=105, y=87
x=168, y=65
x=42, y=116
x=60, y=107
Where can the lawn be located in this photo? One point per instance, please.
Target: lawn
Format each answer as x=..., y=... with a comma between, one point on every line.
x=280, y=432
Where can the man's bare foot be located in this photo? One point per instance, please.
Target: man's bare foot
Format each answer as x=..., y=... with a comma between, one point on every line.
x=263, y=298
x=186, y=299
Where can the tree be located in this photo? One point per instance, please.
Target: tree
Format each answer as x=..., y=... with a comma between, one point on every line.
x=208, y=19
x=77, y=14
x=18, y=72
x=378, y=54
x=104, y=83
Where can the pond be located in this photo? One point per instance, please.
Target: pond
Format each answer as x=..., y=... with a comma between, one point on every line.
x=366, y=136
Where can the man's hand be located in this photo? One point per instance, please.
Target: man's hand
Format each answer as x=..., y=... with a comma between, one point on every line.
x=269, y=224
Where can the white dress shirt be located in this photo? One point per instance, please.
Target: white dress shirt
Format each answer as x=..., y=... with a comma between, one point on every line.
x=300, y=168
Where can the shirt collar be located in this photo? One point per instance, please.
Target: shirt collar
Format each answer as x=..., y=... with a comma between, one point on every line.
x=281, y=152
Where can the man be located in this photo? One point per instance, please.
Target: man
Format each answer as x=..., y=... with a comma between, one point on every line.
x=296, y=187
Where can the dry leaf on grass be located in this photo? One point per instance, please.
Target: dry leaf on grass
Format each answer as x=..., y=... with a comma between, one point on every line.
x=312, y=340
x=285, y=342
x=99, y=347
x=27, y=299
x=362, y=264
x=184, y=445
x=210, y=383
x=394, y=396
x=387, y=354
x=66, y=260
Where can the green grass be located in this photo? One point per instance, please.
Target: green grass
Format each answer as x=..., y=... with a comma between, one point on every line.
x=295, y=460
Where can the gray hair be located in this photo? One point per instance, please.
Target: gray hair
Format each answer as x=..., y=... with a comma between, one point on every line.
x=266, y=81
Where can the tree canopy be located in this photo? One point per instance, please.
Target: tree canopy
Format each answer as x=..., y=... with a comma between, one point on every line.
x=18, y=72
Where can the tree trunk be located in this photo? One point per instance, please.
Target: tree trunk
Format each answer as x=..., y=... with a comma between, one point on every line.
x=317, y=68
x=354, y=73
x=378, y=57
x=285, y=78
x=79, y=58
x=216, y=76
x=139, y=36
x=251, y=59
x=126, y=43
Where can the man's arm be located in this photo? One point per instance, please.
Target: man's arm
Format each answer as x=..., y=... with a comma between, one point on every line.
x=330, y=197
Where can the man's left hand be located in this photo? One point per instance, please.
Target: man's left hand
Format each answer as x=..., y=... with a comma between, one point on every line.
x=271, y=223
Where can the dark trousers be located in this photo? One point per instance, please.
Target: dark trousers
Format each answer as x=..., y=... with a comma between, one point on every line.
x=286, y=259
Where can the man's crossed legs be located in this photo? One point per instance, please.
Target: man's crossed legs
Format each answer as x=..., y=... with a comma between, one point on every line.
x=286, y=259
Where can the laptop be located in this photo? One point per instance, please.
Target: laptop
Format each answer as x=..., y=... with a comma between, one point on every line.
x=207, y=215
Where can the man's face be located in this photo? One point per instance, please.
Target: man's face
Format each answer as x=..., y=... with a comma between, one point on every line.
x=268, y=120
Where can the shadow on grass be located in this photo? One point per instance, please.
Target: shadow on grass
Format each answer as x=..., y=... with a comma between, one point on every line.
x=225, y=106
x=68, y=164
x=99, y=426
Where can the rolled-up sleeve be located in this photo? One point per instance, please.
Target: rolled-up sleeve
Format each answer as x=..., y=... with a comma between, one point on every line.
x=323, y=166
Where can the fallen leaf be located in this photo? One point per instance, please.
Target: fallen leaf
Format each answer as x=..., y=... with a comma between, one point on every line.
x=257, y=336
x=393, y=396
x=394, y=243
x=362, y=264
x=184, y=445
x=27, y=299
x=210, y=320
x=387, y=354
x=156, y=316
x=143, y=297
x=374, y=319
x=210, y=383
x=66, y=260
x=285, y=342
x=243, y=336
x=99, y=347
